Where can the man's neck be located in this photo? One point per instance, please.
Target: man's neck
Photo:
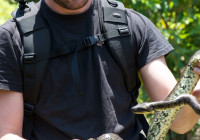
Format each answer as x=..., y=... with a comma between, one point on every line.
x=61, y=10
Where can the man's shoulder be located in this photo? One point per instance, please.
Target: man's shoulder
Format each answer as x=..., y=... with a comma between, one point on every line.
x=9, y=33
x=9, y=27
x=136, y=18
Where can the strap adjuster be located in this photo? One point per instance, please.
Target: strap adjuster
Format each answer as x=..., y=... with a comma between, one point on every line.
x=91, y=40
x=29, y=58
x=123, y=31
x=28, y=109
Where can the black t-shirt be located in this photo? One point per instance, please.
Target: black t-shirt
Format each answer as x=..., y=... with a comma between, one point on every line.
x=105, y=106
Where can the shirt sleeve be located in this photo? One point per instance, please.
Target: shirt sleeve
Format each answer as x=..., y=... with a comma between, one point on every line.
x=10, y=58
x=149, y=42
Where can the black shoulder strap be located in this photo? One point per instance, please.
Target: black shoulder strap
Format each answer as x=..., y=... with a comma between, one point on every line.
x=113, y=17
x=36, y=40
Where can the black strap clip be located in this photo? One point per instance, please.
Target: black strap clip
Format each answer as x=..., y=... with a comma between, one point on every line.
x=29, y=58
x=91, y=40
x=22, y=2
x=123, y=31
x=28, y=109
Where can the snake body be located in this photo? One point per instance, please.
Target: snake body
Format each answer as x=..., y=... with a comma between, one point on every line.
x=185, y=99
x=107, y=136
x=163, y=119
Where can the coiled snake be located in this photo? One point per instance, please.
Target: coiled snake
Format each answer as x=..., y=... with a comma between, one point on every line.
x=167, y=110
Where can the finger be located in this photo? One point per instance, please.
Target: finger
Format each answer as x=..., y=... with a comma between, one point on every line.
x=198, y=64
x=196, y=93
x=197, y=69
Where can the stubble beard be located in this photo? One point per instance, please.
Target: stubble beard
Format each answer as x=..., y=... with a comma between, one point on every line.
x=71, y=4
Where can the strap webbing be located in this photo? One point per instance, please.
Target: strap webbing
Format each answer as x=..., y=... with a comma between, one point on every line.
x=119, y=32
x=113, y=16
x=33, y=32
x=75, y=73
x=144, y=123
x=88, y=42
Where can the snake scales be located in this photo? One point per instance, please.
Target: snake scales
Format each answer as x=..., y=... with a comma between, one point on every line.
x=167, y=110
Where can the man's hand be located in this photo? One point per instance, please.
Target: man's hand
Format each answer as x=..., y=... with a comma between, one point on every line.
x=11, y=137
x=196, y=92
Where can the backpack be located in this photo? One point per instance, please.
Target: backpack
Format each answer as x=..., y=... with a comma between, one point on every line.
x=33, y=30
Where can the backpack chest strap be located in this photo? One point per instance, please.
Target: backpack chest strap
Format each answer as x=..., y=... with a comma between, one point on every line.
x=92, y=40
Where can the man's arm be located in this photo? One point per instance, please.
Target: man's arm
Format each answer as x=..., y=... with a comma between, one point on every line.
x=158, y=82
x=158, y=79
x=11, y=115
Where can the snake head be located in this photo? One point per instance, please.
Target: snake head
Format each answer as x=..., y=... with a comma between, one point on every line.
x=143, y=108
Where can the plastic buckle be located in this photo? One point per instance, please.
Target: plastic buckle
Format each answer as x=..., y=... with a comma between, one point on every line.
x=29, y=58
x=91, y=40
x=28, y=109
x=22, y=5
x=123, y=31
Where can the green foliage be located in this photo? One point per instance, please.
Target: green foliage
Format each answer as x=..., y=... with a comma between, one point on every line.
x=6, y=8
x=179, y=23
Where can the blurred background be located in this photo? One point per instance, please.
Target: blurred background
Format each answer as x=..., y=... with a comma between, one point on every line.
x=178, y=20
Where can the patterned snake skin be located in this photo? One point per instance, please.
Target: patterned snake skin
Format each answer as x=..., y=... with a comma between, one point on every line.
x=108, y=136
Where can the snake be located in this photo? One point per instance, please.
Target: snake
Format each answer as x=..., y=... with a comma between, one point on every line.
x=107, y=136
x=167, y=109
